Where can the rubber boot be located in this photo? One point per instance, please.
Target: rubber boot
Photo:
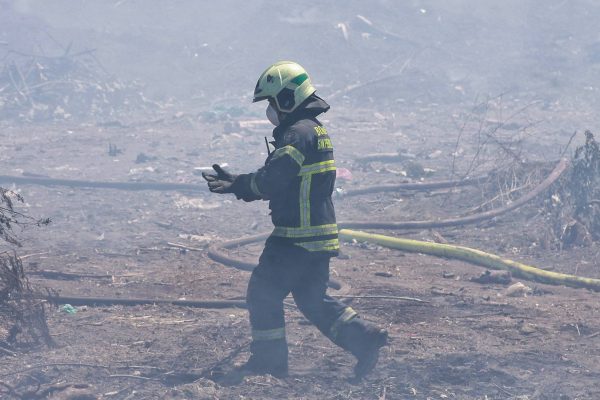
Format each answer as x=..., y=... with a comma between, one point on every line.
x=363, y=340
x=267, y=357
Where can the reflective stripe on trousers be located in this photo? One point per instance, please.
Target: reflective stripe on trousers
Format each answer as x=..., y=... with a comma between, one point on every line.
x=269, y=334
x=346, y=317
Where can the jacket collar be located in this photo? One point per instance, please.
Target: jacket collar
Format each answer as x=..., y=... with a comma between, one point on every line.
x=309, y=109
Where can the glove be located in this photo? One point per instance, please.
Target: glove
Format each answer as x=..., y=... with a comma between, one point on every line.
x=221, y=175
x=220, y=187
x=221, y=182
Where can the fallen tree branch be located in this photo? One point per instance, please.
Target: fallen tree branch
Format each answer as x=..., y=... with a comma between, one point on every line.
x=545, y=184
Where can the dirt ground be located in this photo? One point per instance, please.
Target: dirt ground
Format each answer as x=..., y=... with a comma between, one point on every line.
x=469, y=341
x=466, y=340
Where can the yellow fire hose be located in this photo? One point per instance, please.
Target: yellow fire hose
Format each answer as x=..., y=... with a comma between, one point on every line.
x=473, y=256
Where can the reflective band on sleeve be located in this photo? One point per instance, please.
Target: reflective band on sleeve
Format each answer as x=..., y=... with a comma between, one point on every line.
x=346, y=316
x=254, y=186
x=317, y=168
x=270, y=334
x=318, y=230
x=305, y=200
x=290, y=151
x=320, y=245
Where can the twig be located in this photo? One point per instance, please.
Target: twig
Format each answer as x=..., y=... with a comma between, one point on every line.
x=181, y=246
x=502, y=194
x=380, y=297
x=139, y=367
x=134, y=377
x=25, y=86
x=7, y=352
x=490, y=136
x=479, y=315
x=356, y=86
x=33, y=255
x=504, y=390
x=568, y=144
x=383, y=395
x=17, y=89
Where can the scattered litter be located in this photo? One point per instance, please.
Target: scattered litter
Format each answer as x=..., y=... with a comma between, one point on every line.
x=65, y=167
x=395, y=171
x=137, y=171
x=339, y=192
x=518, y=290
x=254, y=124
x=343, y=174
x=69, y=309
x=344, y=28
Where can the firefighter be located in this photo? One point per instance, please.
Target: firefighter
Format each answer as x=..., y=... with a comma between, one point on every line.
x=298, y=180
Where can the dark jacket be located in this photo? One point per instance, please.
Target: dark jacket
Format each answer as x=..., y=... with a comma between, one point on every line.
x=298, y=179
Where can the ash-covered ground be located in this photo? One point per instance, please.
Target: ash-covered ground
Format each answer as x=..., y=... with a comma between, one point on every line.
x=455, y=88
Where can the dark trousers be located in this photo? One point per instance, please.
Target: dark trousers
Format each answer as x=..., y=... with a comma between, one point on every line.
x=283, y=270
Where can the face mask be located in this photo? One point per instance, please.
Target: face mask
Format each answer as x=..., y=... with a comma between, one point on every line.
x=272, y=115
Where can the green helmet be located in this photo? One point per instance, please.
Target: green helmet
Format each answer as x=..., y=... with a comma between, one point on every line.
x=286, y=83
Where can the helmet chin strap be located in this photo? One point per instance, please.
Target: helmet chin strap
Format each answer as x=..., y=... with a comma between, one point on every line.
x=273, y=115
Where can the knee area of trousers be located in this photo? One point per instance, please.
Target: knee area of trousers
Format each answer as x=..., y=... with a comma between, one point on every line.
x=261, y=300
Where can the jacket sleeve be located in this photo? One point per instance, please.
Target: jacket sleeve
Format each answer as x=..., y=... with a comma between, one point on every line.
x=278, y=173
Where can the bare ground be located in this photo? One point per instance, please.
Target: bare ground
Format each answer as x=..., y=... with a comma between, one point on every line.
x=469, y=341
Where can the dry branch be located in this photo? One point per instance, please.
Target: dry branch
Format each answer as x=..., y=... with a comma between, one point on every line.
x=545, y=184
